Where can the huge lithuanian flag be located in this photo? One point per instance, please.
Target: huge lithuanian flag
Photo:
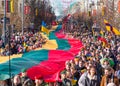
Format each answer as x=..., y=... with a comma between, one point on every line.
x=48, y=61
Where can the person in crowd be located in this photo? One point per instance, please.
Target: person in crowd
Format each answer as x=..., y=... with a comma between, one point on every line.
x=16, y=81
x=39, y=81
x=82, y=77
x=80, y=66
x=22, y=43
x=74, y=76
x=118, y=62
x=92, y=79
x=65, y=81
x=67, y=66
x=87, y=68
x=3, y=83
x=25, y=80
x=109, y=78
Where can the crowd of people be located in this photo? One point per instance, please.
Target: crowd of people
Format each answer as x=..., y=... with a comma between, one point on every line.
x=20, y=43
x=97, y=64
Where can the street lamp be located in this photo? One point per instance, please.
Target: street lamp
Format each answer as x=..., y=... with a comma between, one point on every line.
x=22, y=17
x=4, y=24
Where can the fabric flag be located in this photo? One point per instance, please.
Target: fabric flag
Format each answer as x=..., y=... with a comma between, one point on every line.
x=44, y=29
x=103, y=11
x=12, y=6
x=89, y=13
x=44, y=24
x=119, y=6
x=93, y=33
x=47, y=63
x=103, y=40
x=8, y=6
x=67, y=18
x=26, y=10
x=110, y=28
x=101, y=33
x=116, y=31
x=36, y=11
x=54, y=23
x=94, y=12
x=24, y=44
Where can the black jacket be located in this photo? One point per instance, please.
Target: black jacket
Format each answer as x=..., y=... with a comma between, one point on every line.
x=66, y=82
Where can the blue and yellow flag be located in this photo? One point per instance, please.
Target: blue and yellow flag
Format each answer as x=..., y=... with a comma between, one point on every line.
x=44, y=29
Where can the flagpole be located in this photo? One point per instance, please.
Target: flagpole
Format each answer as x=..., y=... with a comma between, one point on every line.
x=9, y=54
x=22, y=17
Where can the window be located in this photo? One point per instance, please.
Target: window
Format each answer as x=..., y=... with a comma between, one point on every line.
x=2, y=4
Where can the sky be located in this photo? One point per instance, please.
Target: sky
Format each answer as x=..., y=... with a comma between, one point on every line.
x=59, y=6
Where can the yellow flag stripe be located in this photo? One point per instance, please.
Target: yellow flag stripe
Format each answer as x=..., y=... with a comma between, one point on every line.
x=107, y=27
x=115, y=30
x=12, y=6
x=44, y=29
x=101, y=32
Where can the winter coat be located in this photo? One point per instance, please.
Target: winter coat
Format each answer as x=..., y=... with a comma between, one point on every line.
x=95, y=81
x=26, y=81
x=81, y=79
x=66, y=82
x=104, y=81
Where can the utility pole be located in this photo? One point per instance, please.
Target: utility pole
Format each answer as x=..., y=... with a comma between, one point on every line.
x=113, y=12
x=23, y=17
x=4, y=24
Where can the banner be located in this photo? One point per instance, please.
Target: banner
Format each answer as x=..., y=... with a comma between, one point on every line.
x=12, y=6
x=119, y=6
x=94, y=12
x=26, y=10
x=36, y=11
x=103, y=11
x=8, y=6
x=110, y=28
x=47, y=63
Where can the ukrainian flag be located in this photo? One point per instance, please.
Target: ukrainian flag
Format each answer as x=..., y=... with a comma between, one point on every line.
x=44, y=29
